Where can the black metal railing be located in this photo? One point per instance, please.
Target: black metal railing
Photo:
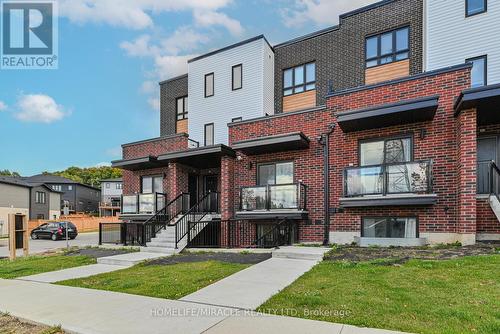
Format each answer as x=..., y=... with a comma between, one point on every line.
x=142, y=203
x=291, y=196
x=191, y=220
x=193, y=143
x=243, y=234
x=205, y=235
x=494, y=180
x=394, y=178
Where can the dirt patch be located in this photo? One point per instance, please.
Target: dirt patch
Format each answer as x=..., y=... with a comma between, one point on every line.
x=97, y=252
x=245, y=258
x=398, y=255
x=12, y=325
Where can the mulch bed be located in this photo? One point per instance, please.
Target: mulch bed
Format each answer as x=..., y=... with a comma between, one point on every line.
x=12, y=325
x=403, y=254
x=97, y=252
x=246, y=258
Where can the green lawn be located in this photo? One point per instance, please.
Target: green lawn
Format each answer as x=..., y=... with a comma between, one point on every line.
x=32, y=265
x=449, y=296
x=163, y=281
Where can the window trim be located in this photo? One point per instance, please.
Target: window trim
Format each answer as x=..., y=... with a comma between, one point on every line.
x=213, y=84
x=184, y=112
x=417, y=223
x=274, y=162
x=39, y=195
x=474, y=14
x=152, y=176
x=394, y=51
x=384, y=139
x=304, y=84
x=485, y=57
x=232, y=77
x=205, y=133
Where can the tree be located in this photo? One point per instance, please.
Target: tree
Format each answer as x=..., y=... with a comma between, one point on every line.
x=91, y=176
x=7, y=172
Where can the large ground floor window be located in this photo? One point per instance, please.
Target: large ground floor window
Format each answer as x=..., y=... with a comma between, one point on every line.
x=389, y=227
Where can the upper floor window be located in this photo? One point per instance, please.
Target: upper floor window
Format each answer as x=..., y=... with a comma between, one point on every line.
x=236, y=119
x=479, y=71
x=209, y=134
x=299, y=79
x=108, y=185
x=119, y=186
x=182, y=108
x=237, y=77
x=209, y=84
x=40, y=197
x=152, y=184
x=57, y=187
x=387, y=47
x=275, y=173
x=386, y=151
x=473, y=7
x=70, y=187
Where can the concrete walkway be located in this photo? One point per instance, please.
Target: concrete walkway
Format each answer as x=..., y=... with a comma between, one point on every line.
x=251, y=287
x=87, y=311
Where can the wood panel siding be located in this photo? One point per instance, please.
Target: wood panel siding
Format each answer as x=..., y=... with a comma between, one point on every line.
x=299, y=101
x=387, y=72
x=182, y=126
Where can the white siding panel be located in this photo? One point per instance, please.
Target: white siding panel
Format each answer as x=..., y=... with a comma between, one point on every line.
x=249, y=102
x=451, y=37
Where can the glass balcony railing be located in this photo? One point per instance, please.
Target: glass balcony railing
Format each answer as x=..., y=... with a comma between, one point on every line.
x=273, y=197
x=397, y=178
x=142, y=203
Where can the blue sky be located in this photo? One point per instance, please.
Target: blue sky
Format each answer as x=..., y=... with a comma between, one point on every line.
x=111, y=58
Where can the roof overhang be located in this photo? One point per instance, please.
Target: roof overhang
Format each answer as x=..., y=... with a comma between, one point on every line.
x=200, y=157
x=404, y=112
x=485, y=99
x=272, y=144
x=136, y=163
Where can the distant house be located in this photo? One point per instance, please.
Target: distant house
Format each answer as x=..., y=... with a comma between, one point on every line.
x=111, y=195
x=76, y=196
x=36, y=200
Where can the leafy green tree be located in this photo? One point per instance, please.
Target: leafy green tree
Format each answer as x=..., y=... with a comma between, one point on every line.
x=7, y=172
x=91, y=176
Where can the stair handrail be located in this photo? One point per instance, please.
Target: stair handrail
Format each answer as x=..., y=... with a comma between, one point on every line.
x=195, y=214
x=494, y=169
x=275, y=228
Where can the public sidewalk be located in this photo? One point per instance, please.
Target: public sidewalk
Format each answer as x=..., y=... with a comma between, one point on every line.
x=88, y=311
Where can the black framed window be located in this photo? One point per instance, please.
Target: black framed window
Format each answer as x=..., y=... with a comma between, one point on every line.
x=389, y=227
x=209, y=134
x=275, y=173
x=387, y=47
x=479, y=70
x=474, y=7
x=40, y=197
x=119, y=186
x=181, y=108
x=385, y=151
x=237, y=77
x=152, y=184
x=236, y=119
x=209, y=84
x=299, y=79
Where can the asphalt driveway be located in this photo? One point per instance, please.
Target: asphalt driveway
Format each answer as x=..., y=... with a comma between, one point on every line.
x=40, y=246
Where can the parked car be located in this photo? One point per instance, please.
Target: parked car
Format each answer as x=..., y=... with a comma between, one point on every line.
x=54, y=231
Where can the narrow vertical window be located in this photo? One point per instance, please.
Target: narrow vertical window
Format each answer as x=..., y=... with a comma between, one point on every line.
x=474, y=7
x=209, y=84
x=479, y=71
x=237, y=77
x=181, y=108
x=209, y=134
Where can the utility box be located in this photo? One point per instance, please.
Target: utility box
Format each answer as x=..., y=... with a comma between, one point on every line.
x=18, y=234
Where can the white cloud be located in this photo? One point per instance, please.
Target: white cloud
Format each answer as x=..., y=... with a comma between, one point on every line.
x=140, y=47
x=213, y=18
x=103, y=164
x=154, y=103
x=321, y=12
x=3, y=106
x=39, y=108
x=132, y=14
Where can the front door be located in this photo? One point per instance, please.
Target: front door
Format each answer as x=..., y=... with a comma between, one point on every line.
x=193, y=189
x=210, y=184
x=487, y=151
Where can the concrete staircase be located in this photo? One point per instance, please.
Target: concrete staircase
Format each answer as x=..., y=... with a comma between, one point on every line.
x=495, y=205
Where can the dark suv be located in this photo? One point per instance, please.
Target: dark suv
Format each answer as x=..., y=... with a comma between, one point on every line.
x=54, y=231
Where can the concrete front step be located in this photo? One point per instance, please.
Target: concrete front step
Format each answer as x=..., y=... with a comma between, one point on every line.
x=300, y=253
x=159, y=250
x=163, y=239
x=161, y=244
x=129, y=259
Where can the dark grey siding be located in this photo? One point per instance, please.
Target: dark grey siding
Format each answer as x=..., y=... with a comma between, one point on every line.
x=87, y=199
x=340, y=52
x=39, y=209
x=170, y=90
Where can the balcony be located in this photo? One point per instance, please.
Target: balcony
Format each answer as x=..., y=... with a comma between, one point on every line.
x=142, y=204
x=273, y=201
x=408, y=183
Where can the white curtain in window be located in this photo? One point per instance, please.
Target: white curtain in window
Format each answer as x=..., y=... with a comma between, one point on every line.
x=411, y=228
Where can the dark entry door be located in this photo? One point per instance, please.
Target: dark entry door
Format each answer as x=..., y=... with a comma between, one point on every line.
x=487, y=149
x=210, y=184
x=193, y=189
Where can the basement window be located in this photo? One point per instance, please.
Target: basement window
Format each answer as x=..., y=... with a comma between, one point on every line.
x=389, y=227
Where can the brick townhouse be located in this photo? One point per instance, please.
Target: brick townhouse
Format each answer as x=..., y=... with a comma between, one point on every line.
x=401, y=155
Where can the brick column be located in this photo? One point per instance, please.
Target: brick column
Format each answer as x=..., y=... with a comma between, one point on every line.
x=466, y=182
x=226, y=195
x=176, y=180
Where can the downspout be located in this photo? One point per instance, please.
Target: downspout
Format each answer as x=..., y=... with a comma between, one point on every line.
x=325, y=141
